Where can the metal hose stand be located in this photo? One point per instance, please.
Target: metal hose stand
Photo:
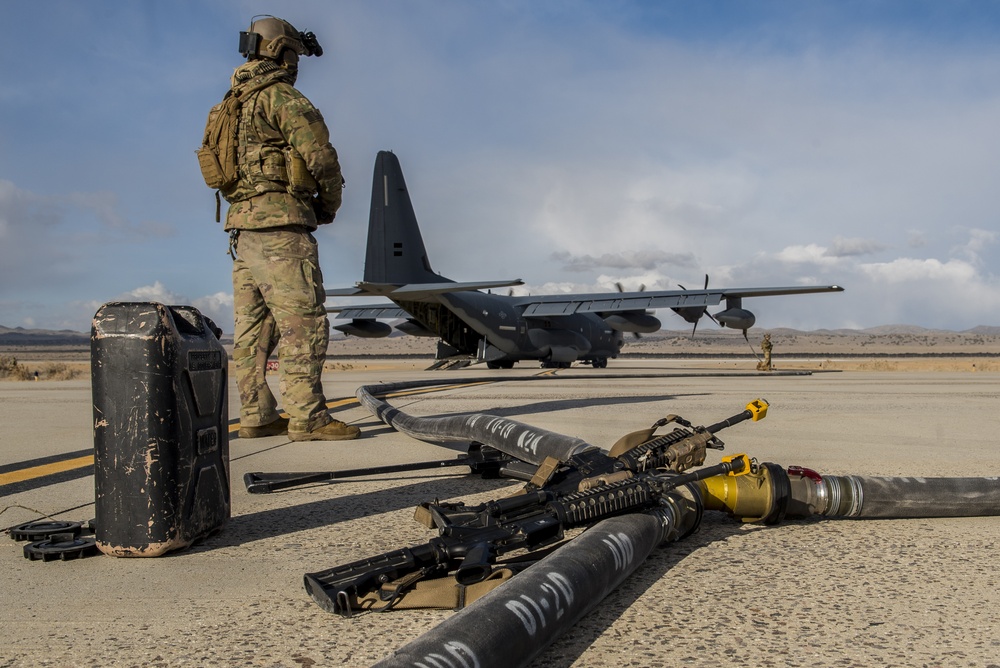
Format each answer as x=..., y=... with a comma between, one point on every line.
x=527, y=443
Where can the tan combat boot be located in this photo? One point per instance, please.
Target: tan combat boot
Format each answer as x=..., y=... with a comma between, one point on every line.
x=279, y=426
x=332, y=431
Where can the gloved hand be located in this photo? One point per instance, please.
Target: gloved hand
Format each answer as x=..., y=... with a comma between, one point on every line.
x=323, y=217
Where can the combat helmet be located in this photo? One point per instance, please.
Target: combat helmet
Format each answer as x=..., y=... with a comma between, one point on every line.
x=276, y=39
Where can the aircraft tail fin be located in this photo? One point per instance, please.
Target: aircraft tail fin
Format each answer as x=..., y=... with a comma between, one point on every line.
x=396, y=253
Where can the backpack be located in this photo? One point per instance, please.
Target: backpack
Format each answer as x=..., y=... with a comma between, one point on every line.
x=217, y=155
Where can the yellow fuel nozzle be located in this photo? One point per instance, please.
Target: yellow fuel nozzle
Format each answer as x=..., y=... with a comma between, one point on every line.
x=755, y=410
x=758, y=409
x=737, y=470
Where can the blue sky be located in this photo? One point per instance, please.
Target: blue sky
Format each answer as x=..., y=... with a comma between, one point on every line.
x=570, y=144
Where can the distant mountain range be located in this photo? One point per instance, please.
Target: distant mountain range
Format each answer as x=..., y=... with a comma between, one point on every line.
x=888, y=330
x=881, y=330
x=18, y=336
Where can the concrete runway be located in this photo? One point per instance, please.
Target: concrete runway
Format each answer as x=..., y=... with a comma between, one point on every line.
x=804, y=593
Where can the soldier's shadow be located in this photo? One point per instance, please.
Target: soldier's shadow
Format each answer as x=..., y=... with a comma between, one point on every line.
x=326, y=512
x=273, y=522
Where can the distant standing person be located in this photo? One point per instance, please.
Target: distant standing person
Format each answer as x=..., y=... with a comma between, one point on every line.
x=765, y=346
x=267, y=151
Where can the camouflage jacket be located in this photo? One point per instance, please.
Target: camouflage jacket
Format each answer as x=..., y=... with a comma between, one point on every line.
x=281, y=132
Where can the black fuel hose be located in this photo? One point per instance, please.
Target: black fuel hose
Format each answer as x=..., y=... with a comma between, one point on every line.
x=515, y=622
x=891, y=497
x=527, y=443
x=545, y=600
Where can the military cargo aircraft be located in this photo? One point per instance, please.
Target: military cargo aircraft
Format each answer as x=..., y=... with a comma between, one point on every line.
x=500, y=329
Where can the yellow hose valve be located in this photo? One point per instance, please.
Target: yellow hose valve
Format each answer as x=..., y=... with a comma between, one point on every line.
x=748, y=498
x=758, y=409
x=745, y=458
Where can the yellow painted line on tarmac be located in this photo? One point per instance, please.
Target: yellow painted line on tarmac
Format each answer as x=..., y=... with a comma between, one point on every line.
x=33, y=472
x=45, y=469
x=341, y=402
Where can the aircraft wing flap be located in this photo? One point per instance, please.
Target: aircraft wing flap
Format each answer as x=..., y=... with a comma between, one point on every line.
x=539, y=310
x=571, y=306
x=553, y=306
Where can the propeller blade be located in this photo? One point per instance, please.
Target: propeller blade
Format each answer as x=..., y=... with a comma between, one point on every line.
x=695, y=313
x=642, y=287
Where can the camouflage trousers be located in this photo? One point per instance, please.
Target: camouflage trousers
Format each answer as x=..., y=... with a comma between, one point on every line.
x=278, y=299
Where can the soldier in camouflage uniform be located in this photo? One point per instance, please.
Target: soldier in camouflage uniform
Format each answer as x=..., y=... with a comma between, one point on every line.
x=289, y=181
x=766, y=347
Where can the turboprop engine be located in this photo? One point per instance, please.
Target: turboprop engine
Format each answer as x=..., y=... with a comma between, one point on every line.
x=735, y=316
x=414, y=328
x=635, y=322
x=366, y=329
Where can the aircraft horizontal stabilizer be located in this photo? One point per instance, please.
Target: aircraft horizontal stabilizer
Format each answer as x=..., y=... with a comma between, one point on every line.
x=346, y=292
x=418, y=291
x=438, y=288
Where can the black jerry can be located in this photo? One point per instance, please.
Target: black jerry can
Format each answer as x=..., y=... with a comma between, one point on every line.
x=161, y=439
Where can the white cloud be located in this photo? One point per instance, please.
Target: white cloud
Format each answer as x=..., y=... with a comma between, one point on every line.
x=842, y=247
x=626, y=146
x=906, y=270
x=218, y=306
x=810, y=253
x=156, y=292
x=979, y=241
x=637, y=259
x=916, y=239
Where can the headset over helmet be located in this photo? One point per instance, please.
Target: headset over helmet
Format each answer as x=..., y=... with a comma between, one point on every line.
x=275, y=39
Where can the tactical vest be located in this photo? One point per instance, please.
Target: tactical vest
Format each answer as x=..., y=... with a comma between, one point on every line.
x=240, y=163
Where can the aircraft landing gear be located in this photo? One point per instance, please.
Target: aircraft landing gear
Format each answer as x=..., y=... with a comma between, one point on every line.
x=502, y=364
x=599, y=362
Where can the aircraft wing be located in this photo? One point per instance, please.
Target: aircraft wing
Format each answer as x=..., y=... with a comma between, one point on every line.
x=614, y=302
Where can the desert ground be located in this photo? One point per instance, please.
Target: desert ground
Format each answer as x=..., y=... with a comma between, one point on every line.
x=890, y=348
x=818, y=592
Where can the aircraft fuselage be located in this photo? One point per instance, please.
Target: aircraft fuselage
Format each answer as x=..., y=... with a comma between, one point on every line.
x=493, y=328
